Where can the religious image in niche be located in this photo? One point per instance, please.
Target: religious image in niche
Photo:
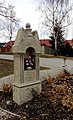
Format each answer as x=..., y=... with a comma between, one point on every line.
x=29, y=63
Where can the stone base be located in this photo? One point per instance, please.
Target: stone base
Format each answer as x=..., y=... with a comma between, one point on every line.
x=22, y=93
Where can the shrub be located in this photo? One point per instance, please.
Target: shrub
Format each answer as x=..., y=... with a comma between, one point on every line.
x=7, y=89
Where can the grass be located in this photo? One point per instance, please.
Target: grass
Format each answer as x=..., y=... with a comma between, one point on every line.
x=44, y=68
x=6, y=67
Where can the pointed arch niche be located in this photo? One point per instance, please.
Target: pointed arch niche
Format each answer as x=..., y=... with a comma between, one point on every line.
x=29, y=59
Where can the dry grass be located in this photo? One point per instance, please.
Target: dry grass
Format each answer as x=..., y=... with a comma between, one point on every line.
x=6, y=67
x=44, y=68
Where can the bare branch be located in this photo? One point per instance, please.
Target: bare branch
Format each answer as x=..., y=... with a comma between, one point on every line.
x=65, y=14
x=10, y=22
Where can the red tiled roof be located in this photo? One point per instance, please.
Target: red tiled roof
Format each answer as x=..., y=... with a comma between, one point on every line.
x=46, y=42
x=69, y=41
x=9, y=44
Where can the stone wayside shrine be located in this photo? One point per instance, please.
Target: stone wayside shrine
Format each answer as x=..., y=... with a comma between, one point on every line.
x=26, y=50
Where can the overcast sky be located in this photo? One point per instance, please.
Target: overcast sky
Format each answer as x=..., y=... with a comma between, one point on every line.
x=26, y=12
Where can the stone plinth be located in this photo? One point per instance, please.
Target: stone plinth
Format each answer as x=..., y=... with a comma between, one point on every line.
x=23, y=93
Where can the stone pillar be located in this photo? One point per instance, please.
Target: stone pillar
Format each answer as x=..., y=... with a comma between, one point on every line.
x=43, y=50
x=26, y=50
x=18, y=69
x=37, y=66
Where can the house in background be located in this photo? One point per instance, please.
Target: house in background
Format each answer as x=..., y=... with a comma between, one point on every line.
x=1, y=47
x=46, y=46
x=70, y=42
x=8, y=46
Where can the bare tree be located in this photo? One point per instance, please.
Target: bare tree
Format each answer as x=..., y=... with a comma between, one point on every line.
x=55, y=10
x=3, y=8
x=9, y=23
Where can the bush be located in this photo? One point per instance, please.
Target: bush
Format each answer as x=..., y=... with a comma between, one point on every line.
x=7, y=89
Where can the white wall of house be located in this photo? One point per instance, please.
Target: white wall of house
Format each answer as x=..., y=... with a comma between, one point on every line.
x=47, y=50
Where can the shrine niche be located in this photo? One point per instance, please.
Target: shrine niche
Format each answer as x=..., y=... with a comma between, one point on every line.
x=29, y=59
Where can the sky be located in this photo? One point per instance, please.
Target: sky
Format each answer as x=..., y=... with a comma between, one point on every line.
x=26, y=11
